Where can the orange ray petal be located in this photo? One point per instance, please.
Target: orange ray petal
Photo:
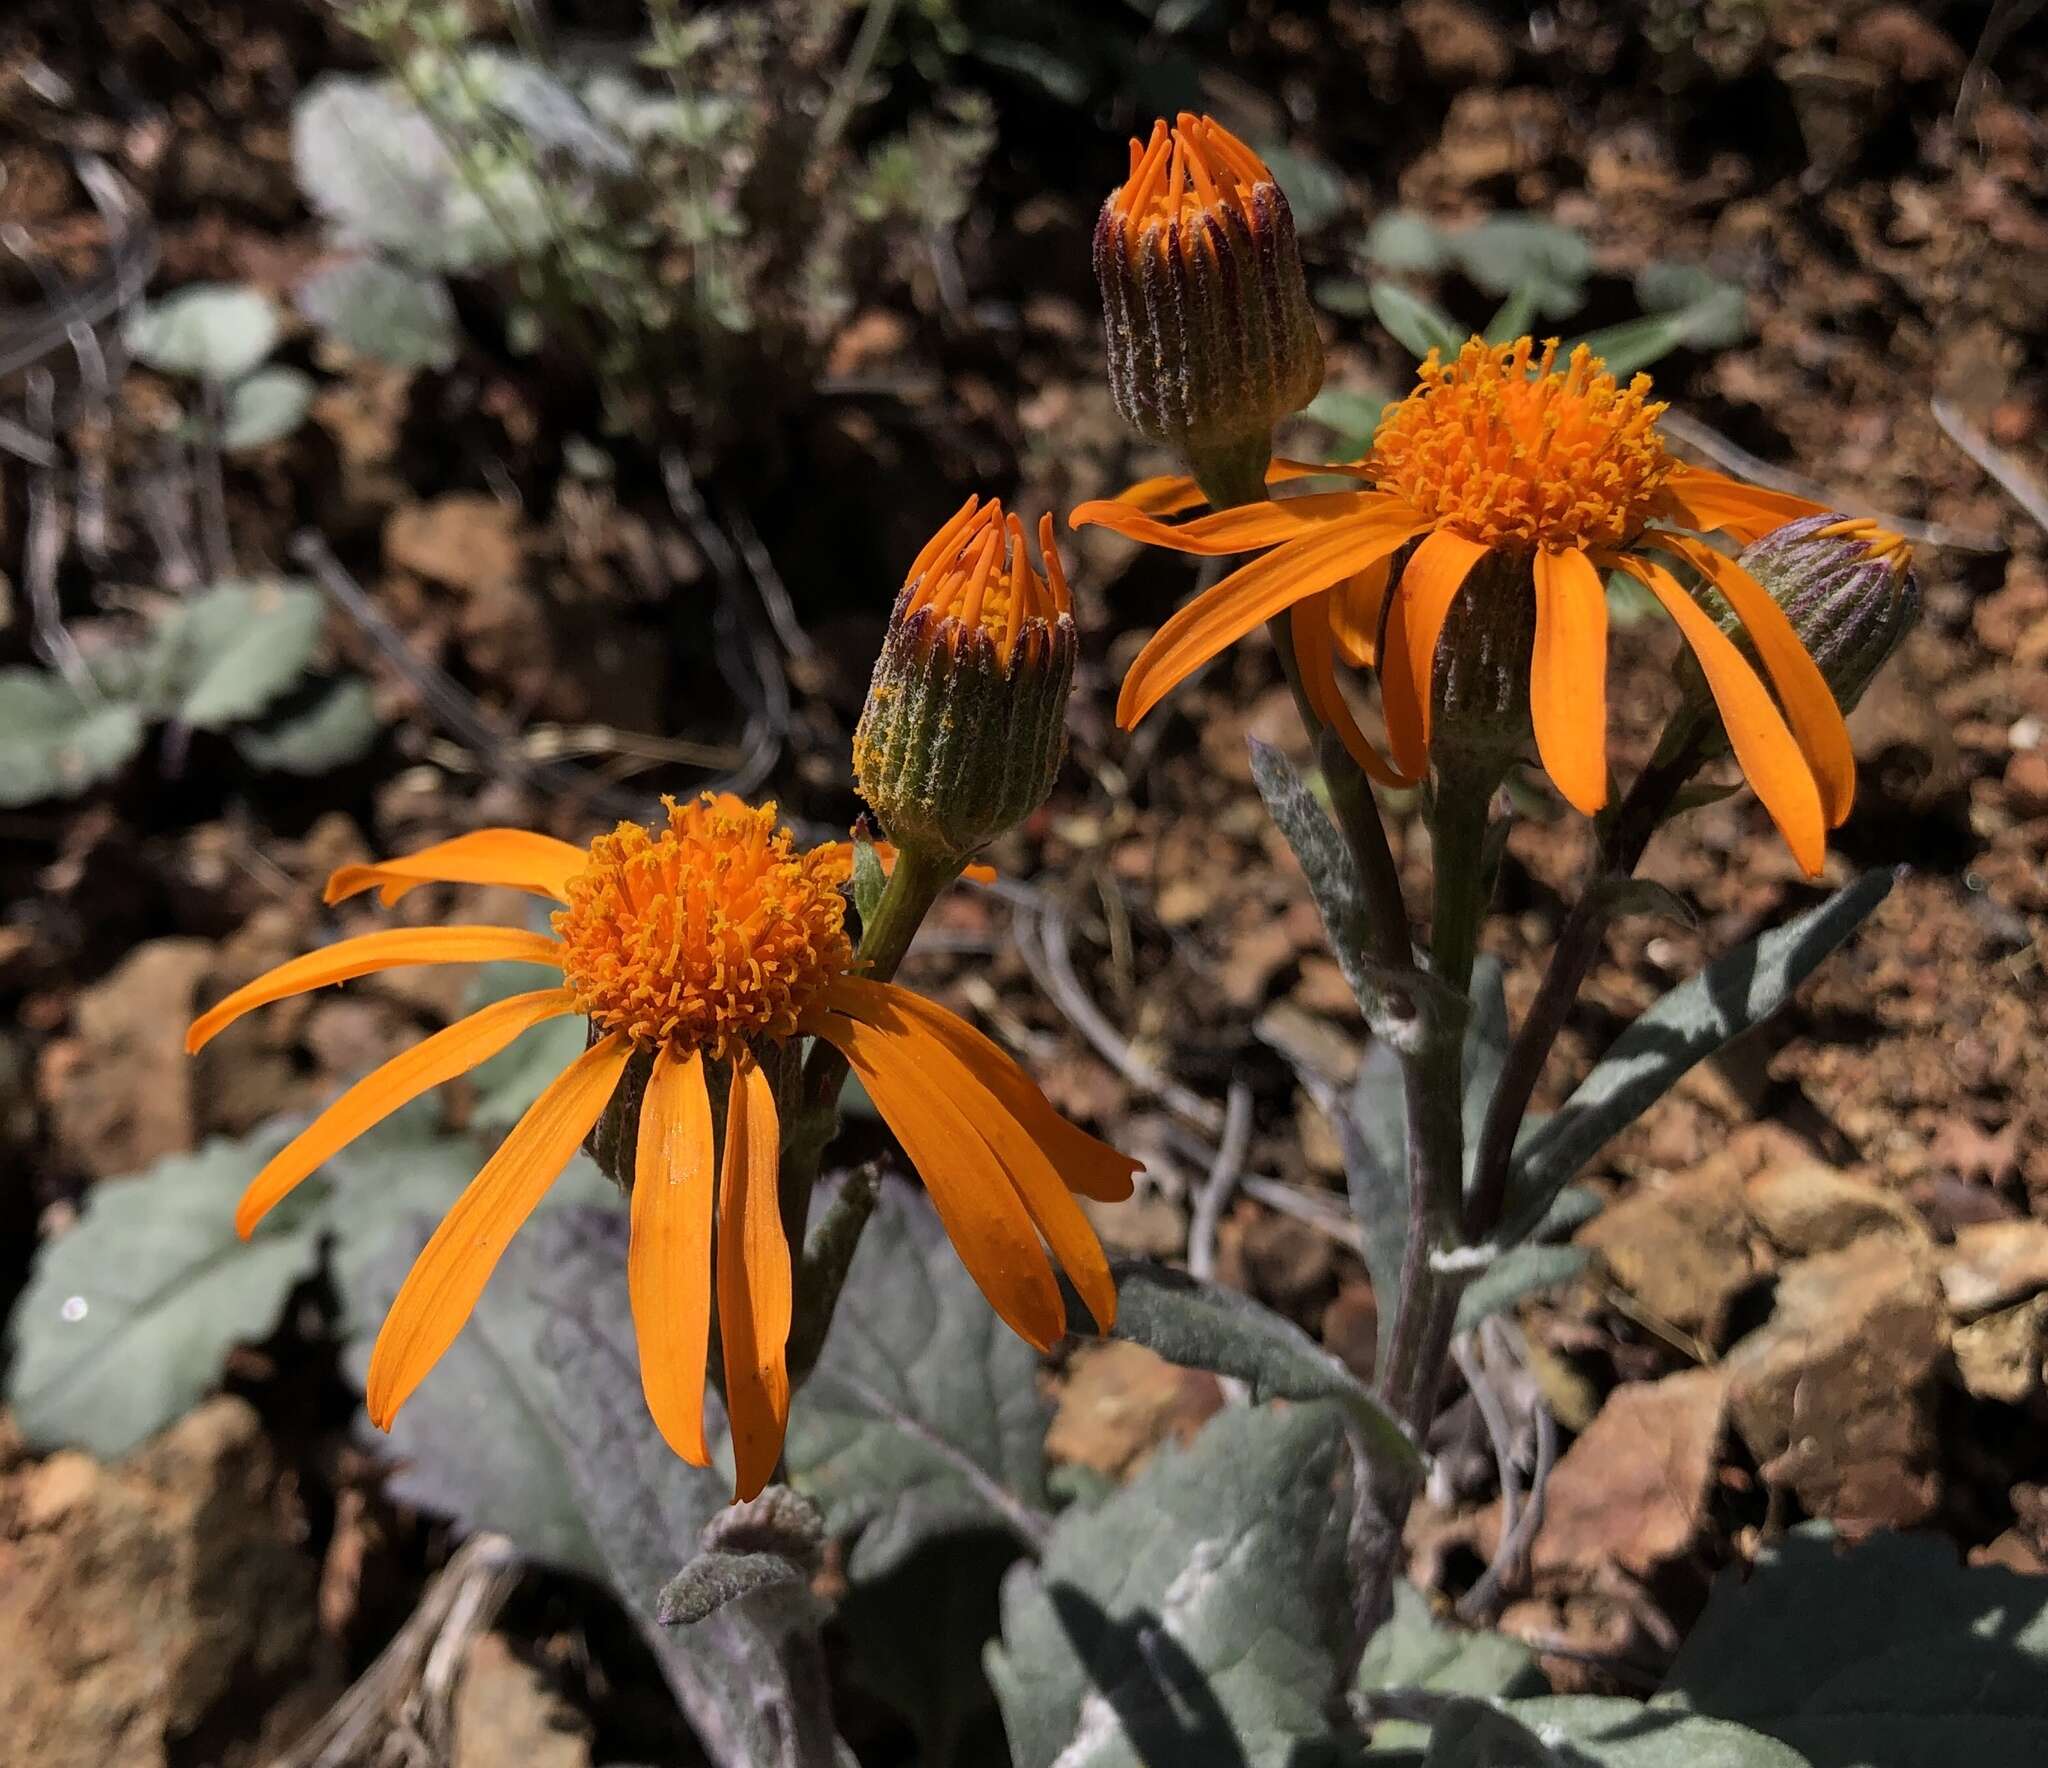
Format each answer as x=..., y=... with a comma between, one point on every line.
x=1309, y=622
x=1428, y=587
x=454, y=1050
x=1241, y=529
x=976, y=1200
x=346, y=959
x=1250, y=596
x=755, y=1289
x=1568, y=678
x=514, y=857
x=1086, y=1164
x=1770, y=757
x=1808, y=701
x=1355, y=608
x=1407, y=742
x=440, y=1291
x=1171, y=493
x=1708, y=501
x=668, y=1257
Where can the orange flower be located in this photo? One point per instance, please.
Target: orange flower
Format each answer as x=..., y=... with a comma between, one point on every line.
x=709, y=943
x=1506, y=452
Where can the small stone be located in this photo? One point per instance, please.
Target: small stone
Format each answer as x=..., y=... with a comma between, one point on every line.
x=1121, y=1401
x=1351, y=1328
x=1806, y=1207
x=2000, y=1356
x=1834, y=1393
x=2026, y=782
x=141, y=1602
x=468, y=541
x=508, y=1711
x=1993, y=1263
x=120, y=1089
x=1632, y=1490
x=1682, y=1249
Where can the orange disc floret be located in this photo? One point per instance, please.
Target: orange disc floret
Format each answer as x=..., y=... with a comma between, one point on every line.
x=1197, y=164
x=975, y=576
x=1516, y=455
x=714, y=932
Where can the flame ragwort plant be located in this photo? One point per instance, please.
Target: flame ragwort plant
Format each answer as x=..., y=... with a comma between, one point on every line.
x=728, y=992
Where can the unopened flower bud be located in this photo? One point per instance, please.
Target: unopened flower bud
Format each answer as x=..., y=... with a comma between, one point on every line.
x=1849, y=589
x=1211, y=337
x=965, y=721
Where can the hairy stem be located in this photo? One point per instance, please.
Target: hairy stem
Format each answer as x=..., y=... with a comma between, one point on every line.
x=1619, y=850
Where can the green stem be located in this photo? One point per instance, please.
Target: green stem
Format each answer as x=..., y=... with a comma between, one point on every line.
x=916, y=883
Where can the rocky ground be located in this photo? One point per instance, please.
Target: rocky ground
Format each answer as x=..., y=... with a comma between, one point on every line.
x=1820, y=1286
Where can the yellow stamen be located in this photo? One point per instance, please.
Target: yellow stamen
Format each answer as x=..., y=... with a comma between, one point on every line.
x=1500, y=447
x=715, y=932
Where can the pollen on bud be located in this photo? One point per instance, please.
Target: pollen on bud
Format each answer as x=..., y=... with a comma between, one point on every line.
x=1849, y=589
x=1211, y=336
x=965, y=721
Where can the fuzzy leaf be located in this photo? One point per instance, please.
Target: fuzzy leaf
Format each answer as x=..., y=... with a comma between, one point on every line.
x=1203, y=1326
x=1400, y=239
x=229, y=651
x=1735, y=992
x=1595, y=1731
x=383, y=310
x=209, y=331
x=1412, y=1652
x=1198, y=1616
x=1418, y=326
x=130, y=1315
x=641, y=1505
x=54, y=742
x=338, y=727
x=1519, y=1271
x=1888, y=1654
x=1504, y=253
x=711, y=1580
x=266, y=408
x=1372, y=1130
x=923, y=1414
x=869, y=880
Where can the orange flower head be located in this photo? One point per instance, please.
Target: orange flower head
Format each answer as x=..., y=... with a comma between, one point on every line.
x=694, y=951
x=1211, y=336
x=974, y=577
x=711, y=934
x=1503, y=448
x=1496, y=497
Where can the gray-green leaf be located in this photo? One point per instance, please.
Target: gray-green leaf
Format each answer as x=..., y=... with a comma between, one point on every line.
x=229, y=651
x=1418, y=326
x=338, y=728
x=1196, y=1618
x=383, y=310
x=1735, y=992
x=1203, y=1326
x=1595, y=1731
x=1413, y=1652
x=208, y=331
x=55, y=741
x=923, y=1414
x=266, y=407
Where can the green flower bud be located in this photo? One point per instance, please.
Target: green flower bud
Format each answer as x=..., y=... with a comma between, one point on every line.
x=965, y=722
x=1849, y=589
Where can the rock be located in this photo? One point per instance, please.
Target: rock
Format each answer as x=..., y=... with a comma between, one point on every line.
x=1834, y=1394
x=1351, y=1328
x=1682, y=1249
x=468, y=541
x=145, y=1604
x=508, y=1712
x=1806, y=1207
x=2000, y=1357
x=120, y=1088
x=2026, y=782
x=1633, y=1488
x=1121, y=1401
x=1993, y=1263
